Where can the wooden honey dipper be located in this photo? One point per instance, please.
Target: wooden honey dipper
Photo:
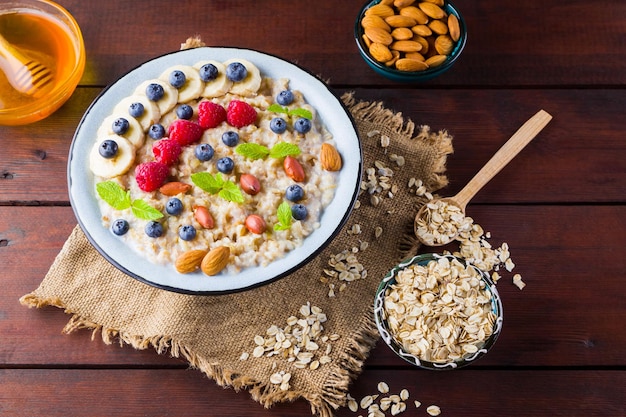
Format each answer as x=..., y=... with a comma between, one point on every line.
x=26, y=75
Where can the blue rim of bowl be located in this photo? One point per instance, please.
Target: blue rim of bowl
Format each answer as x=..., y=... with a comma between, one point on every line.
x=413, y=75
x=94, y=242
x=389, y=339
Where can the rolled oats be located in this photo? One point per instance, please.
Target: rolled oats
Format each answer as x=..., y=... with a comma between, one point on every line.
x=439, y=311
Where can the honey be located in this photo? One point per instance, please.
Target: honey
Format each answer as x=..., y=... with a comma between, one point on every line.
x=41, y=37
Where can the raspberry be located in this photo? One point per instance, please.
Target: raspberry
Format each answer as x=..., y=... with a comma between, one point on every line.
x=185, y=132
x=240, y=114
x=151, y=175
x=166, y=151
x=210, y=114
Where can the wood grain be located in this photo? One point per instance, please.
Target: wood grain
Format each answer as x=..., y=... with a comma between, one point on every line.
x=560, y=205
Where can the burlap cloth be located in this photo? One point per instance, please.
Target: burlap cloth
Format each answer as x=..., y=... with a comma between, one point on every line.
x=211, y=332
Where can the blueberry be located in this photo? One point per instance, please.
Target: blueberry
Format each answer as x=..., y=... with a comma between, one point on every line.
x=208, y=72
x=285, y=97
x=302, y=125
x=174, y=206
x=154, y=229
x=120, y=126
x=136, y=109
x=225, y=165
x=294, y=193
x=236, y=71
x=120, y=227
x=155, y=92
x=204, y=152
x=184, y=111
x=108, y=149
x=230, y=138
x=156, y=131
x=177, y=78
x=187, y=232
x=278, y=125
x=299, y=211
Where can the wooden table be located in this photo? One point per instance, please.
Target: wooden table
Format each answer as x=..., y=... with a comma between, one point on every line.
x=560, y=205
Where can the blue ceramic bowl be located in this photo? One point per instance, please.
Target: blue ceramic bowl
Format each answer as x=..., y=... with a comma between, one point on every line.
x=413, y=76
x=391, y=341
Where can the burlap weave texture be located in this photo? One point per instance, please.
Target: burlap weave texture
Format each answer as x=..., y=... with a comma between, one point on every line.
x=211, y=332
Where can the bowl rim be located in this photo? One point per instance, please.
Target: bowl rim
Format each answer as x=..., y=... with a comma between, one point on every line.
x=63, y=90
x=395, y=346
x=449, y=7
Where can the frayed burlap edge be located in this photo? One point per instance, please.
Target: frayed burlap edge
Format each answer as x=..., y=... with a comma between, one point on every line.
x=334, y=390
x=350, y=364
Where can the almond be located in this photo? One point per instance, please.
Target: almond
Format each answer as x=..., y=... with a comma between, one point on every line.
x=444, y=44
x=422, y=30
x=373, y=21
x=380, y=52
x=255, y=224
x=378, y=35
x=216, y=260
x=381, y=10
x=403, y=3
x=406, y=46
x=439, y=27
x=402, y=34
x=330, y=157
x=249, y=184
x=204, y=217
x=406, y=64
x=189, y=261
x=436, y=60
x=432, y=10
x=399, y=21
x=395, y=57
x=173, y=188
x=293, y=169
x=415, y=13
x=454, y=27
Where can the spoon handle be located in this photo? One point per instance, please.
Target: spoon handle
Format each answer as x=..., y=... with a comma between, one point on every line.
x=505, y=154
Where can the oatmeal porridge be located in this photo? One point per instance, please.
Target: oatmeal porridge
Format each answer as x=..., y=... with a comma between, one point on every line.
x=209, y=156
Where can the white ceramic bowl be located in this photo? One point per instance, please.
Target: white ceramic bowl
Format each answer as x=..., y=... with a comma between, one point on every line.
x=333, y=114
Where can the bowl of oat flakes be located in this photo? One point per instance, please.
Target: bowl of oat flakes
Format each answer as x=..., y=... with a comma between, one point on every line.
x=438, y=312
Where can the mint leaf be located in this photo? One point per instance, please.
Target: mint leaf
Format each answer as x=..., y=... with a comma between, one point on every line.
x=302, y=113
x=113, y=194
x=283, y=149
x=207, y=182
x=252, y=150
x=284, y=216
x=145, y=211
x=230, y=192
x=277, y=108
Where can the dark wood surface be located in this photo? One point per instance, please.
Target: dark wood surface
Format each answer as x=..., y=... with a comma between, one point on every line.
x=561, y=206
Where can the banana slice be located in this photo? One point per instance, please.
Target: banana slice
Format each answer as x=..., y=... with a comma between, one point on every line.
x=170, y=96
x=249, y=85
x=220, y=85
x=134, y=134
x=112, y=167
x=193, y=87
x=151, y=113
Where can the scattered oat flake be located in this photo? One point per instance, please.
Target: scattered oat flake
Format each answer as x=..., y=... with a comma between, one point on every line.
x=244, y=356
x=517, y=280
x=433, y=410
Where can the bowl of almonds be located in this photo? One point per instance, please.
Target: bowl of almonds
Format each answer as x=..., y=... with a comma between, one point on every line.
x=438, y=312
x=410, y=40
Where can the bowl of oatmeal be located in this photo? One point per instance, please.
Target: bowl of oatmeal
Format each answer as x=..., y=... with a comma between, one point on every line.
x=214, y=170
x=438, y=312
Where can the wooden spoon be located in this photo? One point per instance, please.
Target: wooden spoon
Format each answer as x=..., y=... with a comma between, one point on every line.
x=499, y=160
x=26, y=75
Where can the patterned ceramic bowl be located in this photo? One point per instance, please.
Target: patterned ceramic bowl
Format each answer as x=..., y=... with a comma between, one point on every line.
x=422, y=311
